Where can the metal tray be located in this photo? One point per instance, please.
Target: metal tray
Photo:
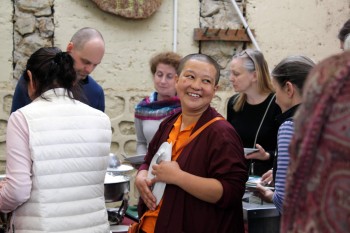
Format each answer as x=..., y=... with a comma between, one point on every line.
x=135, y=160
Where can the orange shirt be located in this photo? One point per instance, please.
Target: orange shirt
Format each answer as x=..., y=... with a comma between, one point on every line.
x=178, y=138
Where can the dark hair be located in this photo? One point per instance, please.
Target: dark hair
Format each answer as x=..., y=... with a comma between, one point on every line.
x=203, y=58
x=344, y=31
x=167, y=58
x=50, y=68
x=293, y=69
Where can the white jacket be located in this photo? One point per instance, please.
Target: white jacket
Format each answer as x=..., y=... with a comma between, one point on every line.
x=69, y=143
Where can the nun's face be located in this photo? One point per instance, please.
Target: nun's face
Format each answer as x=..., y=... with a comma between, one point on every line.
x=196, y=86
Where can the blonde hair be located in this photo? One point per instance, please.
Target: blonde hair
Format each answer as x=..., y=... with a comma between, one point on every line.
x=254, y=61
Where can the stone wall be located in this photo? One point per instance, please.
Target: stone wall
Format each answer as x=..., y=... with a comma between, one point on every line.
x=33, y=28
x=281, y=28
x=124, y=73
x=221, y=15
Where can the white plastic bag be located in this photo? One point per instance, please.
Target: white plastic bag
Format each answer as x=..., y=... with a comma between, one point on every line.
x=163, y=154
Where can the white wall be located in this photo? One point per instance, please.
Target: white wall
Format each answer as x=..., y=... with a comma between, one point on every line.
x=129, y=43
x=291, y=27
x=6, y=41
x=282, y=28
x=6, y=81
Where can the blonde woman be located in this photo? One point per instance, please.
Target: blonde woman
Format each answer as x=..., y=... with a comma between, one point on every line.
x=252, y=112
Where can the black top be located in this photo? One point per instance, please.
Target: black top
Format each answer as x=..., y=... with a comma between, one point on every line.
x=247, y=121
x=92, y=94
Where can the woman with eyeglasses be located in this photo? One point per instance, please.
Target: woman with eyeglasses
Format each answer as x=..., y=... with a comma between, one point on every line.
x=252, y=111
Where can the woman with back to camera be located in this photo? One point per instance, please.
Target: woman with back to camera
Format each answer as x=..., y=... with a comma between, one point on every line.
x=57, y=151
x=160, y=104
x=288, y=79
x=252, y=112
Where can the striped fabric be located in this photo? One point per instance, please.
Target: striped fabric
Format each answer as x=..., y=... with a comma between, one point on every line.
x=152, y=109
x=317, y=189
x=284, y=137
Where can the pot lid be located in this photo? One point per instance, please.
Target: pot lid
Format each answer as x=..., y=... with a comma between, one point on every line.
x=111, y=179
x=121, y=168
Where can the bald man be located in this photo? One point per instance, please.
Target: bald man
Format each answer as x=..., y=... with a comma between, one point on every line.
x=87, y=48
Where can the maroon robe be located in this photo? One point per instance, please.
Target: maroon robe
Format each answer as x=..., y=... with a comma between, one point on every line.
x=217, y=152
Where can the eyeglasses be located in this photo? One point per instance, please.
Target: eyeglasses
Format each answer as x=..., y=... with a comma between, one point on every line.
x=249, y=54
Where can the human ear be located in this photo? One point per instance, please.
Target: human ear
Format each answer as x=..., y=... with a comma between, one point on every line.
x=290, y=89
x=70, y=47
x=255, y=79
x=216, y=88
x=176, y=78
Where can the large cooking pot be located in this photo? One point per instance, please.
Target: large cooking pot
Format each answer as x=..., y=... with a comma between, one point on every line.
x=115, y=186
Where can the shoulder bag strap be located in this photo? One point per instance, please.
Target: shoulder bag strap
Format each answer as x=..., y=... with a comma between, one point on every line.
x=195, y=134
x=262, y=120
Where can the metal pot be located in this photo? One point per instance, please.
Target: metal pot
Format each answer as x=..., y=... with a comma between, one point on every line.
x=115, y=186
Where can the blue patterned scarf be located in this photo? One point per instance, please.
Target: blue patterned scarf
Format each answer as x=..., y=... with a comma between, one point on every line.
x=152, y=109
